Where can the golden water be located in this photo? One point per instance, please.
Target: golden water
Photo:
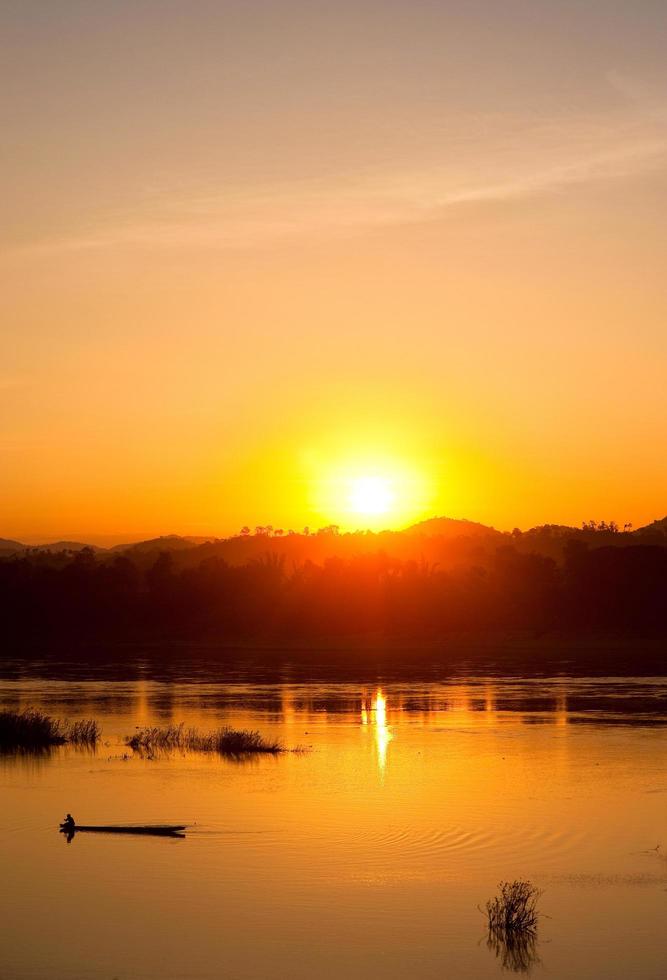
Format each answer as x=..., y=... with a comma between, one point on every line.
x=366, y=856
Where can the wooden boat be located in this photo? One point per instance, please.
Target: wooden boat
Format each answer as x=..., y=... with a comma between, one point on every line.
x=155, y=830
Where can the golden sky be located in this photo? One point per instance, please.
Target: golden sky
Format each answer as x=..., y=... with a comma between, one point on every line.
x=254, y=251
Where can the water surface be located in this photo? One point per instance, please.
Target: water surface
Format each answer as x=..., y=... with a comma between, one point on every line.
x=366, y=856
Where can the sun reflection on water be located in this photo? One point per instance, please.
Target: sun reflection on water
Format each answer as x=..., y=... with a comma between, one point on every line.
x=376, y=716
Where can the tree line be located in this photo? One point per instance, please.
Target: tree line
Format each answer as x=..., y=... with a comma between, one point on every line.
x=80, y=596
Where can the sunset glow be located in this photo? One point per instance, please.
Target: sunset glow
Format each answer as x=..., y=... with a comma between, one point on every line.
x=377, y=282
x=333, y=489
x=371, y=495
x=370, y=488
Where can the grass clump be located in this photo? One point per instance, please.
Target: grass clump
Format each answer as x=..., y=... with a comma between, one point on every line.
x=33, y=729
x=84, y=732
x=224, y=741
x=229, y=741
x=29, y=729
x=512, y=918
x=157, y=739
x=514, y=910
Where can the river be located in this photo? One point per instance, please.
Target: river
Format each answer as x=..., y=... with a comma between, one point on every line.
x=367, y=855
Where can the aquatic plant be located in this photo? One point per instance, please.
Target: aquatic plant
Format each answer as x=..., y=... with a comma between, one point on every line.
x=29, y=729
x=33, y=729
x=514, y=910
x=516, y=952
x=229, y=741
x=83, y=732
x=225, y=741
x=152, y=740
x=512, y=919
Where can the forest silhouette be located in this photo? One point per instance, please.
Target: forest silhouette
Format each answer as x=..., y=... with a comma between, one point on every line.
x=428, y=582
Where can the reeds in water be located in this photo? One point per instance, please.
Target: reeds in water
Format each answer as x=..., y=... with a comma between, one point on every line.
x=514, y=910
x=157, y=739
x=512, y=918
x=33, y=729
x=84, y=732
x=229, y=741
x=225, y=741
x=516, y=953
x=29, y=729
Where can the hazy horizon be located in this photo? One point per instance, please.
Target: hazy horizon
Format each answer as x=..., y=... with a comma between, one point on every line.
x=109, y=541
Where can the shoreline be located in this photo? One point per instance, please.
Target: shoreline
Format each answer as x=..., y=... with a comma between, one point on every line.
x=270, y=660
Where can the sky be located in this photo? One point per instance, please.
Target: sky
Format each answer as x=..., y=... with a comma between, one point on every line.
x=253, y=252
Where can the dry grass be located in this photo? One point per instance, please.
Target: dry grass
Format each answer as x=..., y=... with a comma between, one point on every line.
x=514, y=910
x=152, y=740
x=84, y=732
x=29, y=729
x=224, y=741
x=512, y=918
x=33, y=729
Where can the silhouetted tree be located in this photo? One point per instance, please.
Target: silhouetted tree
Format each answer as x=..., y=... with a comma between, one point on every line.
x=332, y=584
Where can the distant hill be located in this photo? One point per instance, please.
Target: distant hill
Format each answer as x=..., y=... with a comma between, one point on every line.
x=450, y=527
x=166, y=542
x=54, y=547
x=9, y=547
x=557, y=530
x=435, y=581
x=657, y=529
x=445, y=540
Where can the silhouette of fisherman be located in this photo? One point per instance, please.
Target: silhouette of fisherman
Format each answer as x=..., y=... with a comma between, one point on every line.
x=68, y=826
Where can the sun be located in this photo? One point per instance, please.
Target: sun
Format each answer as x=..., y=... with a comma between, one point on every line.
x=371, y=496
x=367, y=489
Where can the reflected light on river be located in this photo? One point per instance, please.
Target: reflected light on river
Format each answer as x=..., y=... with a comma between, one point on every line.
x=339, y=861
x=378, y=719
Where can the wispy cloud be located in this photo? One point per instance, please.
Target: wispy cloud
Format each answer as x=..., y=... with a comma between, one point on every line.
x=536, y=159
x=625, y=161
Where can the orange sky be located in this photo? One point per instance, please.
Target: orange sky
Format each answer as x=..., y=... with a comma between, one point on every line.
x=251, y=249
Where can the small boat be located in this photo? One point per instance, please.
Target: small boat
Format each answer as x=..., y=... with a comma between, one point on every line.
x=155, y=830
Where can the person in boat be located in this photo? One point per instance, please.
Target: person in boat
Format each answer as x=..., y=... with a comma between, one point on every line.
x=68, y=823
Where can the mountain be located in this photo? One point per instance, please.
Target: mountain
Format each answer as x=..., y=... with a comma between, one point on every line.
x=656, y=531
x=54, y=547
x=166, y=542
x=9, y=547
x=444, y=540
x=451, y=527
